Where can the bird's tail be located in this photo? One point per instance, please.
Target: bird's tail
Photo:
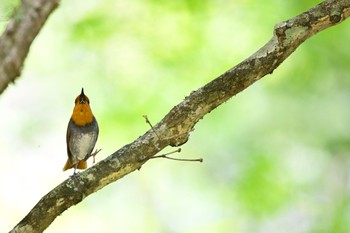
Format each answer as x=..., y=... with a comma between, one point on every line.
x=82, y=164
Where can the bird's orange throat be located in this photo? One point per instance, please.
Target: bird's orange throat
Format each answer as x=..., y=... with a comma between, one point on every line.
x=82, y=114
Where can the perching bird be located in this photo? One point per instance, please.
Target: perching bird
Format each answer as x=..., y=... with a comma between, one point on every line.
x=82, y=133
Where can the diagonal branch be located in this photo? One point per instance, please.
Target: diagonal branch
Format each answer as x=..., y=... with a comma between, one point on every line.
x=175, y=127
x=20, y=32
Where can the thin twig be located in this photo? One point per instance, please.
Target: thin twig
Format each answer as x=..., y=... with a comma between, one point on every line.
x=93, y=155
x=165, y=155
x=177, y=159
x=149, y=123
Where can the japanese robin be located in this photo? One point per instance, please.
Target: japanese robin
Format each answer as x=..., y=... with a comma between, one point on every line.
x=82, y=133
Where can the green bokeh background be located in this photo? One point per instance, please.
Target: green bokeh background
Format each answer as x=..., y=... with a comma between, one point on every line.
x=276, y=156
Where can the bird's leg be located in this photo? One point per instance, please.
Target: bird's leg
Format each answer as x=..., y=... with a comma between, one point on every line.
x=75, y=168
x=74, y=173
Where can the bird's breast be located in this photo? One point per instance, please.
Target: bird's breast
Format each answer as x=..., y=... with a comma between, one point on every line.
x=82, y=144
x=82, y=140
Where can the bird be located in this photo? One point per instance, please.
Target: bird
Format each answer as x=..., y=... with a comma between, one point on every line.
x=82, y=134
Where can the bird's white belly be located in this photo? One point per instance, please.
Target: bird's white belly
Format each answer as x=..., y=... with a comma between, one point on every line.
x=82, y=145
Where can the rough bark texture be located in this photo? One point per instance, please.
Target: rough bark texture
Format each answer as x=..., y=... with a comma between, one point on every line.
x=20, y=32
x=175, y=127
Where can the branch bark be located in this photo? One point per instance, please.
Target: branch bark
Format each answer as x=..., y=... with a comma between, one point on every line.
x=175, y=127
x=19, y=34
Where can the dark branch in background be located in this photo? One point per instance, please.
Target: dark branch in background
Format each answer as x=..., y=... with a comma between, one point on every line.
x=175, y=127
x=19, y=34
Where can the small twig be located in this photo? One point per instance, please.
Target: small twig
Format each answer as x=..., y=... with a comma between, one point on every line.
x=177, y=159
x=149, y=123
x=93, y=155
x=165, y=155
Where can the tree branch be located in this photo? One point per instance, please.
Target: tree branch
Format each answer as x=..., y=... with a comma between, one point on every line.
x=175, y=127
x=20, y=32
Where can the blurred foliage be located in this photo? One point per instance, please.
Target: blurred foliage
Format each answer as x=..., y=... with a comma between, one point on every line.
x=276, y=156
